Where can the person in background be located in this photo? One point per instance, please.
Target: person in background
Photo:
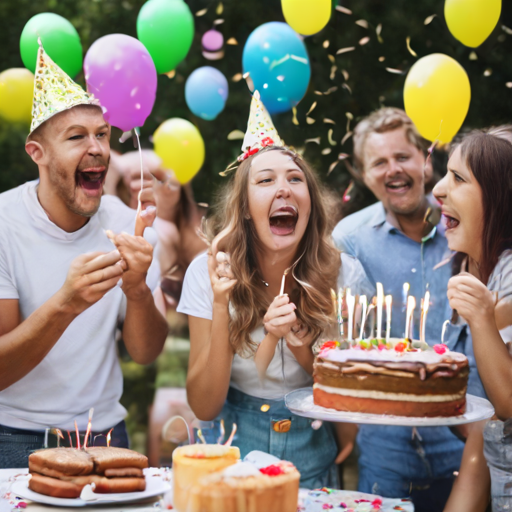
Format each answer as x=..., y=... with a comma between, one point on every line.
x=397, y=241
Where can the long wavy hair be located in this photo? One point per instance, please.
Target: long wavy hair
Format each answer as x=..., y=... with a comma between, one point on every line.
x=315, y=270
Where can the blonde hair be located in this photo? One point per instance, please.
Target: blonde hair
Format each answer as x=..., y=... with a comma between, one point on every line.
x=315, y=270
x=384, y=120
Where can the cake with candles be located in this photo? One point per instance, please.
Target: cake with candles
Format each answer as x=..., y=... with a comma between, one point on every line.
x=397, y=377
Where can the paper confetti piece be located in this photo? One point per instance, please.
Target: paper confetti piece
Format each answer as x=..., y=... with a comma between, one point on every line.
x=349, y=118
x=345, y=74
x=329, y=121
x=171, y=74
x=343, y=156
x=295, y=121
x=506, y=29
x=232, y=41
x=345, y=50
x=333, y=72
x=346, y=137
x=331, y=58
x=218, y=22
x=310, y=120
x=395, y=71
x=408, y=43
x=202, y=205
x=331, y=141
x=331, y=167
x=326, y=43
x=220, y=9
x=473, y=56
x=488, y=72
x=364, y=40
x=248, y=81
x=429, y=19
x=236, y=135
x=362, y=23
x=509, y=85
x=326, y=151
x=346, y=86
x=202, y=12
x=264, y=408
x=344, y=10
x=237, y=77
x=318, y=93
x=313, y=106
x=382, y=58
x=330, y=90
x=316, y=141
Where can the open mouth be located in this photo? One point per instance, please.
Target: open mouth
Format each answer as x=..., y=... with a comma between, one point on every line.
x=91, y=179
x=283, y=221
x=450, y=222
x=398, y=186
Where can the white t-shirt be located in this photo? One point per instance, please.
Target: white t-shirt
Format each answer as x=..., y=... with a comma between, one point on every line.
x=82, y=369
x=284, y=373
x=500, y=281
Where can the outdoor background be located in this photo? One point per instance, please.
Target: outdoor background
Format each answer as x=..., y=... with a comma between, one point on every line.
x=365, y=79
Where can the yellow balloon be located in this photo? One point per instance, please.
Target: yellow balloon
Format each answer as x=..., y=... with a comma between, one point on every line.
x=180, y=146
x=307, y=16
x=437, y=94
x=16, y=91
x=472, y=21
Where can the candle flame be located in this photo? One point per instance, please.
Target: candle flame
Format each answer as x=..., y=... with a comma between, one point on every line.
x=231, y=436
x=109, y=436
x=89, y=427
x=426, y=302
x=58, y=432
x=77, y=436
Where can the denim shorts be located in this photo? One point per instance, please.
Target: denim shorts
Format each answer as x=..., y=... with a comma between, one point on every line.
x=17, y=444
x=311, y=451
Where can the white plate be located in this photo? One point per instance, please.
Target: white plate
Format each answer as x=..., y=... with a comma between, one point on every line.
x=300, y=402
x=154, y=486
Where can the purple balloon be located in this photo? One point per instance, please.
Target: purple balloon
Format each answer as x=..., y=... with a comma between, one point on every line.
x=121, y=74
x=212, y=40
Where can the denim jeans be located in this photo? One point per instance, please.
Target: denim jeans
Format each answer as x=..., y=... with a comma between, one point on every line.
x=17, y=444
x=311, y=451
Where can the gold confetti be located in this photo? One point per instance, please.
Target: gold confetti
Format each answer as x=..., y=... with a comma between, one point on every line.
x=331, y=167
x=509, y=85
x=362, y=23
x=349, y=118
x=313, y=106
x=232, y=41
x=345, y=50
x=203, y=205
x=171, y=74
x=326, y=43
x=329, y=121
x=488, y=72
x=333, y=72
x=202, y=12
x=346, y=86
x=408, y=43
x=506, y=29
x=220, y=9
x=218, y=22
x=344, y=10
x=310, y=120
x=382, y=58
x=236, y=135
x=331, y=89
x=395, y=71
x=345, y=74
x=378, y=30
x=429, y=19
x=473, y=56
x=332, y=58
x=316, y=141
x=346, y=137
x=264, y=408
x=332, y=142
x=318, y=93
x=349, y=115
x=326, y=151
x=295, y=121
x=364, y=40
x=237, y=77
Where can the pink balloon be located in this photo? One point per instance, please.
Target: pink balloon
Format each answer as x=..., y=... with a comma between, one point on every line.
x=121, y=74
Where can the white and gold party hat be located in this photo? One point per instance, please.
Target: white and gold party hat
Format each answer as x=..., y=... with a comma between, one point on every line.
x=261, y=131
x=54, y=91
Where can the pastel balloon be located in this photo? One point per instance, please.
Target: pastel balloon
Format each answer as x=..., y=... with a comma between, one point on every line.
x=278, y=64
x=212, y=41
x=472, y=21
x=60, y=41
x=206, y=92
x=166, y=27
x=306, y=17
x=437, y=94
x=180, y=146
x=16, y=92
x=121, y=74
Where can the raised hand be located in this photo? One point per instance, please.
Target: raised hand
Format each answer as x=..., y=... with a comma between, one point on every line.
x=280, y=317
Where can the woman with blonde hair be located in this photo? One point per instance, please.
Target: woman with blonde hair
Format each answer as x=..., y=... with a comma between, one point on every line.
x=270, y=222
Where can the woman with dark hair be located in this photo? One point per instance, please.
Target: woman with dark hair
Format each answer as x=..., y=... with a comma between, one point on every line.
x=270, y=221
x=476, y=203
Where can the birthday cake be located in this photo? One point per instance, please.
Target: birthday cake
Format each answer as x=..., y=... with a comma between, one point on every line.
x=392, y=378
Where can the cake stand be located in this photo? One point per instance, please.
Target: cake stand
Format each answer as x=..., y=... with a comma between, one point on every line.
x=300, y=402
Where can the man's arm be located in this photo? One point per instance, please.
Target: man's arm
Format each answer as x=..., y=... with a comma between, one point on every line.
x=23, y=345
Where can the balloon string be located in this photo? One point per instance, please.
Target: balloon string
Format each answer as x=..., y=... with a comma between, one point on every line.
x=139, y=206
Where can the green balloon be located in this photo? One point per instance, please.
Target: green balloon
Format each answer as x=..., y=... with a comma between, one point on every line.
x=60, y=41
x=166, y=29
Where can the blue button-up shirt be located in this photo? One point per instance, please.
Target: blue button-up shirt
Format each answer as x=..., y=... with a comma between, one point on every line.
x=391, y=258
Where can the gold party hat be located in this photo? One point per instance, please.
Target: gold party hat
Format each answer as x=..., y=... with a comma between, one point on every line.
x=261, y=131
x=54, y=91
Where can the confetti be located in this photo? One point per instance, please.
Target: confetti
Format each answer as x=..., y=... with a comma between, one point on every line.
x=295, y=121
x=362, y=23
x=346, y=86
x=345, y=50
x=473, y=56
x=345, y=74
x=236, y=135
x=364, y=40
x=264, y=408
x=237, y=77
x=202, y=205
x=331, y=168
x=349, y=118
x=333, y=72
x=488, y=72
x=326, y=151
x=429, y=19
x=220, y=9
x=408, y=43
x=349, y=115
x=313, y=106
x=232, y=41
x=326, y=43
x=509, y=85
x=329, y=121
x=506, y=29
x=346, y=137
x=171, y=74
x=382, y=58
x=318, y=93
x=332, y=58
x=316, y=141
x=310, y=120
x=331, y=89
x=202, y=12
x=395, y=71
x=342, y=156
x=344, y=10
x=332, y=142
x=218, y=22
x=249, y=81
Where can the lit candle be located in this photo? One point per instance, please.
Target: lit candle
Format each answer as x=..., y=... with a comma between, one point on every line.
x=89, y=427
x=340, y=312
x=380, y=304
x=283, y=281
x=389, y=303
x=424, y=310
x=405, y=295
x=446, y=323
x=351, y=302
x=77, y=432
x=363, y=301
x=411, y=304
x=109, y=436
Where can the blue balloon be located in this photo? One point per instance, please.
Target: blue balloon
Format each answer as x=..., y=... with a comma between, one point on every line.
x=206, y=92
x=277, y=61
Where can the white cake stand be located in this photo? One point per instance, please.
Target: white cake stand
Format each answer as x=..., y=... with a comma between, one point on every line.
x=300, y=402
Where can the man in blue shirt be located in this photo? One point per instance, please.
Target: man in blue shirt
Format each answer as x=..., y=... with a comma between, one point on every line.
x=398, y=245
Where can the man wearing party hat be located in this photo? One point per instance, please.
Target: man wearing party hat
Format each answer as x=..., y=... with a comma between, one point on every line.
x=63, y=288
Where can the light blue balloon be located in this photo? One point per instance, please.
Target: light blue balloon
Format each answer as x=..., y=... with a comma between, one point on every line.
x=206, y=92
x=278, y=63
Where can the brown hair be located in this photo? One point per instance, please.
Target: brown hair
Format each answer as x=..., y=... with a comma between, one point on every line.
x=503, y=132
x=315, y=272
x=489, y=157
x=384, y=120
